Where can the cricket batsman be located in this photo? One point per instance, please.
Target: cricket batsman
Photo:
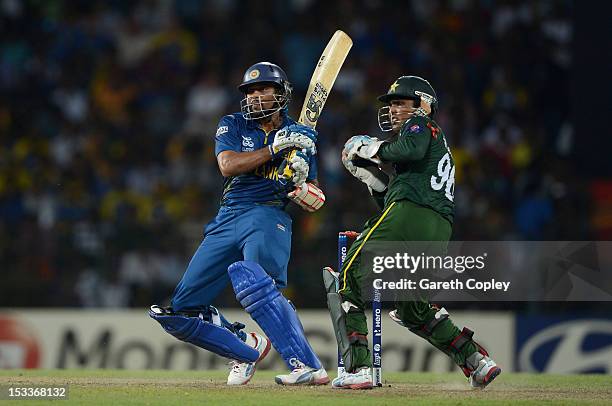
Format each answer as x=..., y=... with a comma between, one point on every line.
x=417, y=205
x=267, y=159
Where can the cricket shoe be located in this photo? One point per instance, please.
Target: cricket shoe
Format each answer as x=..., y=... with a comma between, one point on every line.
x=303, y=375
x=242, y=372
x=482, y=370
x=361, y=379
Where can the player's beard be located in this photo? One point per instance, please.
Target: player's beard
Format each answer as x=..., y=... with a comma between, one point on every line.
x=261, y=115
x=259, y=109
x=274, y=119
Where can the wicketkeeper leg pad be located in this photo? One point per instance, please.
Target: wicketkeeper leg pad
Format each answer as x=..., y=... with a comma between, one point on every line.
x=208, y=334
x=256, y=292
x=338, y=316
x=455, y=345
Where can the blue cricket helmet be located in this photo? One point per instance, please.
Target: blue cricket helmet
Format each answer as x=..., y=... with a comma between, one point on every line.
x=265, y=72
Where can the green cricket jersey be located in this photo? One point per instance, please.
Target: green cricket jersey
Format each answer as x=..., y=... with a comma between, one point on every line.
x=424, y=166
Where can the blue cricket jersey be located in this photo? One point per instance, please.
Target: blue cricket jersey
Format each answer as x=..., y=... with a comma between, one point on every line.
x=235, y=133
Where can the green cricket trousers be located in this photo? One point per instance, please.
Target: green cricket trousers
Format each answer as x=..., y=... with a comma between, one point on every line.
x=400, y=221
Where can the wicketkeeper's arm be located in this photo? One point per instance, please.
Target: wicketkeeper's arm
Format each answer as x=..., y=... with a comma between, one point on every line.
x=407, y=147
x=379, y=198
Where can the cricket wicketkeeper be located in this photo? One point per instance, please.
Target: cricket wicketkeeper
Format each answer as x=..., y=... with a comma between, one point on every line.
x=417, y=205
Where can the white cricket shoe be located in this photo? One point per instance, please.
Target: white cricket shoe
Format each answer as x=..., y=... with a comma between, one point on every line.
x=303, y=375
x=361, y=379
x=482, y=370
x=242, y=372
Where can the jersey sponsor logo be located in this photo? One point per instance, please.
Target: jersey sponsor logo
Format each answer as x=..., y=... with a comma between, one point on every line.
x=415, y=128
x=222, y=130
x=281, y=227
x=247, y=144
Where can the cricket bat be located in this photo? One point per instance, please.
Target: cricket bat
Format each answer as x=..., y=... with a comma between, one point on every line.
x=324, y=76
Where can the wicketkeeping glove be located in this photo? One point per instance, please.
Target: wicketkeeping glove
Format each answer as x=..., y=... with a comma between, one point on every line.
x=373, y=177
x=362, y=146
x=295, y=136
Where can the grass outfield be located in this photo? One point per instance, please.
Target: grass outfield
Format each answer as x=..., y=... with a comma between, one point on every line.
x=120, y=387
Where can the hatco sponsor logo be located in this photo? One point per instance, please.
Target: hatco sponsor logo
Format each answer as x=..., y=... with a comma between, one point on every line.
x=569, y=353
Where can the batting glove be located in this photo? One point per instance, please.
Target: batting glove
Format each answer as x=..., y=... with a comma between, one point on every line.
x=308, y=196
x=294, y=168
x=294, y=136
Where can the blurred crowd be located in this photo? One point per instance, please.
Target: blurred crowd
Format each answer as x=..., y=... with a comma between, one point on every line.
x=108, y=111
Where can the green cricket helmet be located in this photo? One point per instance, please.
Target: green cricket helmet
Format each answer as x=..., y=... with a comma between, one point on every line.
x=407, y=87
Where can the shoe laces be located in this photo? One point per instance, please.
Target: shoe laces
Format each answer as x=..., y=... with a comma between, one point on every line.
x=478, y=372
x=364, y=372
x=297, y=370
x=236, y=366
